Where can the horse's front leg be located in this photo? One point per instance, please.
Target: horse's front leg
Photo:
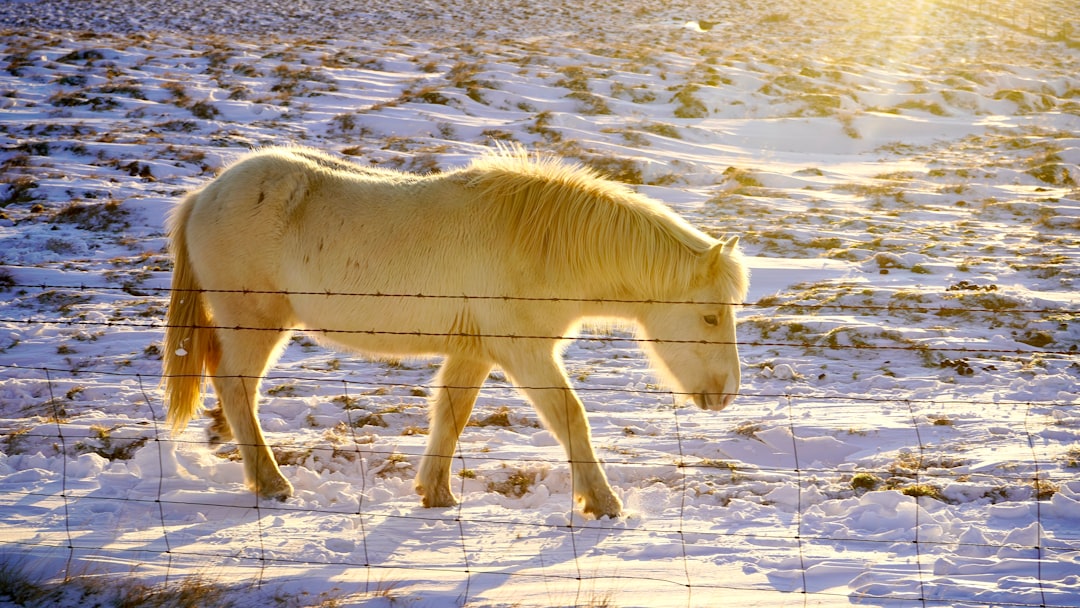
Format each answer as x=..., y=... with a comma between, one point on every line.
x=545, y=383
x=457, y=385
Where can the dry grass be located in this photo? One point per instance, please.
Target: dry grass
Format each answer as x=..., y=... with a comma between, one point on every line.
x=24, y=588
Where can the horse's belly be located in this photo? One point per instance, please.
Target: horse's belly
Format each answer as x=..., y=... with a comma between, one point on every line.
x=379, y=324
x=378, y=343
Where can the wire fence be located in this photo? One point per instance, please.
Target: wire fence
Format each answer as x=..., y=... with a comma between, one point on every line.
x=1062, y=312
x=162, y=541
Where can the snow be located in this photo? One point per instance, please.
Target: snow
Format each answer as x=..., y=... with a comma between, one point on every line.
x=903, y=180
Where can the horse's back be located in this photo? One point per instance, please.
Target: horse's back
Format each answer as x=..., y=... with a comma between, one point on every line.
x=385, y=235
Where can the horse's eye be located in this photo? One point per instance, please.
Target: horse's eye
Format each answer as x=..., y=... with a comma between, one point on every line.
x=711, y=319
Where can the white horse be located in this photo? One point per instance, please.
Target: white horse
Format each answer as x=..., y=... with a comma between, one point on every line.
x=514, y=251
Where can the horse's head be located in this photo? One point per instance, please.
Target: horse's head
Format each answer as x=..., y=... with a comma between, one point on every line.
x=693, y=339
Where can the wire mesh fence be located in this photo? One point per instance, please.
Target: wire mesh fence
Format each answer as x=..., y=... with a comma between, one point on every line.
x=806, y=478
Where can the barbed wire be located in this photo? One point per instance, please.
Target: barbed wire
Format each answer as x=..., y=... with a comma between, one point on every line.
x=919, y=347
x=1009, y=308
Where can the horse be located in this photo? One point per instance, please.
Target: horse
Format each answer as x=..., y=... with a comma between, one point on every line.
x=492, y=264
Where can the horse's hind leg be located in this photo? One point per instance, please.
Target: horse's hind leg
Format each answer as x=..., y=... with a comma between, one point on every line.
x=542, y=379
x=244, y=358
x=457, y=385
x=218, y=432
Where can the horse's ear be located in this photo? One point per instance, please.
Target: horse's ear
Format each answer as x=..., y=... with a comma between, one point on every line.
x=724, y=247
x=719, y=251
x=729, y=245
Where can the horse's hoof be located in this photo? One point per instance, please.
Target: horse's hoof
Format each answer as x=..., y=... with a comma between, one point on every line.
x=281, y=496
x=610, y=506
x=279, y=490
x=437, y=500
x=434, y=502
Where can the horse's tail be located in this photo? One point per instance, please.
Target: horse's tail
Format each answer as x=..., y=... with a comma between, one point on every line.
x=191, y=347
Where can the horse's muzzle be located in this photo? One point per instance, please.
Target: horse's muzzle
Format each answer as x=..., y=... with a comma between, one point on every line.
x=713, y=401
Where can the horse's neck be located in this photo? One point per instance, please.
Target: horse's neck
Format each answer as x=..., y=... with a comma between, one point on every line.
x=627, y=309
x=612, y=297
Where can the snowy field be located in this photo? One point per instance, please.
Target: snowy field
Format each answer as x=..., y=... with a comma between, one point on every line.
x=903, y=177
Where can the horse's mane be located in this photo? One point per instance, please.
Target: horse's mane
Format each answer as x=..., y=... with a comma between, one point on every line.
x=590, y=226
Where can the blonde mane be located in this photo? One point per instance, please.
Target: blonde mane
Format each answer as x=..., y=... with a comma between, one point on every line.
x=580, y=223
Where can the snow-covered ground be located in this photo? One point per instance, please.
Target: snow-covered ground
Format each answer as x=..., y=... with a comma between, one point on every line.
x=903, y=177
